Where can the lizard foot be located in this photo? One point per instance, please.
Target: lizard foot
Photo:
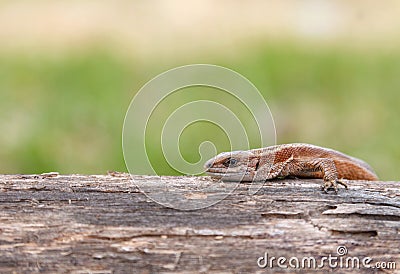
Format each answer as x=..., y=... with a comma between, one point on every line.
x=333, y=184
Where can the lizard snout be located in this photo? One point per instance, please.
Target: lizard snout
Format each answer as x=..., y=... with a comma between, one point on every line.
x=208, y=164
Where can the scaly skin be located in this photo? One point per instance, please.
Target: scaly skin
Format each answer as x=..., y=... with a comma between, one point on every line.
x=296, y=160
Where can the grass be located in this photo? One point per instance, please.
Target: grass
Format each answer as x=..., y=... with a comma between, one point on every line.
x=65, y=112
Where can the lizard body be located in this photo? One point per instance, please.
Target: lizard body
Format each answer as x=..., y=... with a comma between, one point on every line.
x=289, y=160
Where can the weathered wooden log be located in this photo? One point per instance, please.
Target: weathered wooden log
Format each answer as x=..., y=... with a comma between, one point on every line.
x=104, y=224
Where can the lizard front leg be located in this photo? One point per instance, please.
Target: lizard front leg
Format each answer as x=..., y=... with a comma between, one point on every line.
x=267, y=170
x=324, y=168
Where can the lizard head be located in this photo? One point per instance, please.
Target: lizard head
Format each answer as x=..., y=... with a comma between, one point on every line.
x=233, y=166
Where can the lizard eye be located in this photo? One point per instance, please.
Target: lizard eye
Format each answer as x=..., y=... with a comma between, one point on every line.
x=230, y=162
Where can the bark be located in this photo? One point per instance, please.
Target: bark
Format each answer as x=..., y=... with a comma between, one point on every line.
x=105, y=224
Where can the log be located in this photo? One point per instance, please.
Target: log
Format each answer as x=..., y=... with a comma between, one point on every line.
x=104, y=224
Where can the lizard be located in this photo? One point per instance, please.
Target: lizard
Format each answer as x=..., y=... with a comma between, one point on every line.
x=297, y=160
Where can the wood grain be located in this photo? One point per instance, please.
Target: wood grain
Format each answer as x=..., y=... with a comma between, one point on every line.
x=104, y=224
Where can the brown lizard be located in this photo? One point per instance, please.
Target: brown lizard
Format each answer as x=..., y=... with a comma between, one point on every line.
x=290, y=160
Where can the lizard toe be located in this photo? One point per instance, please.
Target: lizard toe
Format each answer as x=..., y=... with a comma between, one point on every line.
x=333, y=184
x=340, y=182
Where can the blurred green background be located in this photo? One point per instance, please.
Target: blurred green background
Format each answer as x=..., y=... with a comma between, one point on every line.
x=330, y=73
